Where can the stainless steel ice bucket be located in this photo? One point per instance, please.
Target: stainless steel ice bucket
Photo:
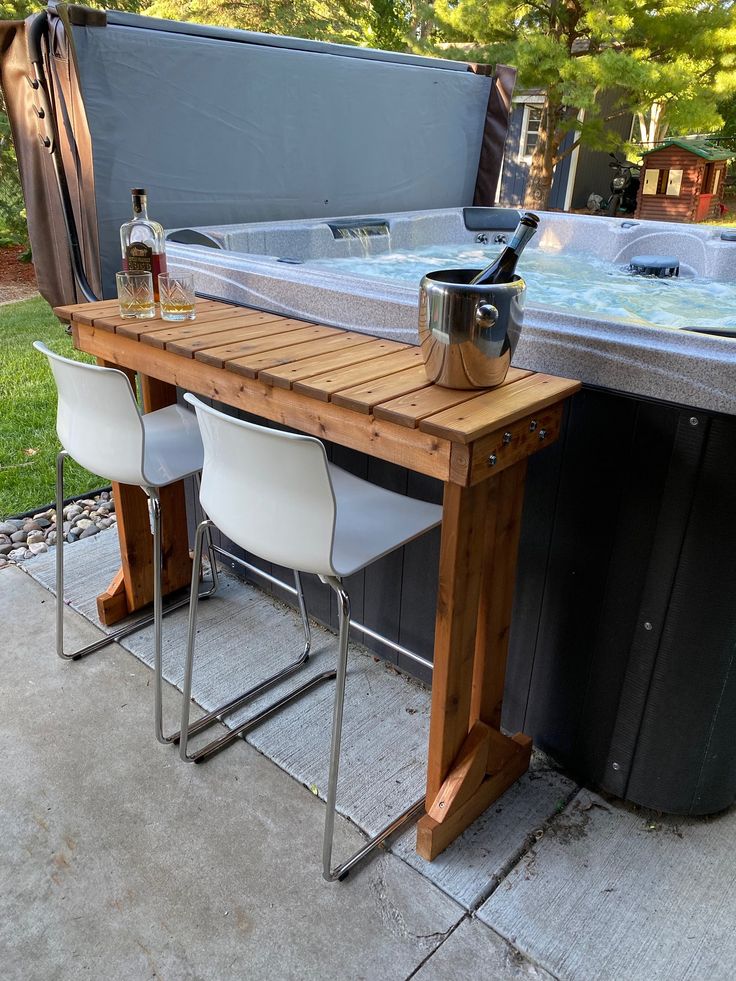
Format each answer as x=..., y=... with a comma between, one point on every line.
x=468, y=333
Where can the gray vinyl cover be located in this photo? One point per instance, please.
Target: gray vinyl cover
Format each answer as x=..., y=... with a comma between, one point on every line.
x=226, y=126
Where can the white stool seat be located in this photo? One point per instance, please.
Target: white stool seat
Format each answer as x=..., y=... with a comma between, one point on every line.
x=372, y=521
x=172, y=446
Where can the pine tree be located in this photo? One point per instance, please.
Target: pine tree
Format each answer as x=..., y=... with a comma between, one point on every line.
x=666, y=61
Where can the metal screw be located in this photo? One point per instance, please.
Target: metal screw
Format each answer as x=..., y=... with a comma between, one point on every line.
x=492, y=460
x=616, y=766
x=507, y=437
x=542, y=434
x=441, y=803
x=694, y=420
x=647, y=625
x=532, y=425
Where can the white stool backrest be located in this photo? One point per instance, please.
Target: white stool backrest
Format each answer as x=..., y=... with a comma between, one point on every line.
x=269, y=492
x=97, y=418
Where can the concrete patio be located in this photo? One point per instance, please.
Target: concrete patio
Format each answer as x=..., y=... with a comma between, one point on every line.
x=120, y=862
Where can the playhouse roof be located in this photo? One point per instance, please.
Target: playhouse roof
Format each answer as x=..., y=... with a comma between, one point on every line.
x=701, y=148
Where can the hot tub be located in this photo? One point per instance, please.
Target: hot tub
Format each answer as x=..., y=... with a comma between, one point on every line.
x=586, y=316
x=624, y=630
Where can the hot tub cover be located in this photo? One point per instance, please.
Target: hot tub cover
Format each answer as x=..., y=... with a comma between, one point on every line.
x=225, y=126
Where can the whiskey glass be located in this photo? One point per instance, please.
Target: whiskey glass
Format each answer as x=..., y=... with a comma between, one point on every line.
x=176, y=296
x=135, y=295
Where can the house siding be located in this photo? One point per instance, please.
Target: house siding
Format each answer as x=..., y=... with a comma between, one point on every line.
x=516, y=169
x=592, y=173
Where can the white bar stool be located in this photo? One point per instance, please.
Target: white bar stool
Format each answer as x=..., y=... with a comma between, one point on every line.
x=296, y=509
x=148, y=450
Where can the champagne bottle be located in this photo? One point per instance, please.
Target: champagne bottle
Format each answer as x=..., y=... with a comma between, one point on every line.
x=502, y=269
x=142, y=241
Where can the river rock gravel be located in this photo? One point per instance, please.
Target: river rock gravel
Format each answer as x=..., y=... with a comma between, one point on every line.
x=24, y=538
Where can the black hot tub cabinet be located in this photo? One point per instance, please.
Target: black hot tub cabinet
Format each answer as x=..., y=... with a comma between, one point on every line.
x=624, y=632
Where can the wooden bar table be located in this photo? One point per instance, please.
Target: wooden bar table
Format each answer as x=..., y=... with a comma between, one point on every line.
x=371, y=395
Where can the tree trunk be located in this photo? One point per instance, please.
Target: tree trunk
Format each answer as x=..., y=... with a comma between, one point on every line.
x=539, y=182
x=654, y=128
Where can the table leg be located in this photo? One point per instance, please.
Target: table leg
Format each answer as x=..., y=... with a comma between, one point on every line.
x=471, y=763
x=132, y=587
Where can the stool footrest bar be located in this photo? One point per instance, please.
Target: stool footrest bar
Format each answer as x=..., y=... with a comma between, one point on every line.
x=225, y=740
x=410, y=814
x=130, y=628
x=216, y=715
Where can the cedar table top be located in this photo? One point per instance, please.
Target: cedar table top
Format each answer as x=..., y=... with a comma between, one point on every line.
x=373, y=377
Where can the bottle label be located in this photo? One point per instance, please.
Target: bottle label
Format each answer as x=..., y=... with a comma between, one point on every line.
x=139, y=257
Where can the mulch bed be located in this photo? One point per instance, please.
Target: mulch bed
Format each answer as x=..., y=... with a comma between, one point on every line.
x=17, y=279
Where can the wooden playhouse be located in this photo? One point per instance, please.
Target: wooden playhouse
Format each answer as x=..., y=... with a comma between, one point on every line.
x=682, y=180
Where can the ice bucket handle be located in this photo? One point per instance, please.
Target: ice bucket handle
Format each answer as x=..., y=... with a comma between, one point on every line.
x=486, y=315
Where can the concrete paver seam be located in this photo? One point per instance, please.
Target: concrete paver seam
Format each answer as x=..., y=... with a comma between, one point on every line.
x=444, y=939
x=523, y=850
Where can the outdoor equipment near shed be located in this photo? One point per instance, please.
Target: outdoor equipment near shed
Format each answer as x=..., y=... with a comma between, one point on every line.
x=682, y=180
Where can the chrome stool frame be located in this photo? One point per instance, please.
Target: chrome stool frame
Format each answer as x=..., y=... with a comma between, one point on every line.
x=116, y=634
x=188, y=729
x=158, y=610
x=339, y=872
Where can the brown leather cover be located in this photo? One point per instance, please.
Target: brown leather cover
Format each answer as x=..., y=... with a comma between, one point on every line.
x=46, y=225
x=494, y=132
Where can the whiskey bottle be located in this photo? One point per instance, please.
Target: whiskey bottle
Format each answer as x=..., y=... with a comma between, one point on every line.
x=142, y=241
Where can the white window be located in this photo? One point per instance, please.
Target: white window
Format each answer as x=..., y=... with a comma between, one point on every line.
x=674, y=183
x=651, y=181
x=530, y=130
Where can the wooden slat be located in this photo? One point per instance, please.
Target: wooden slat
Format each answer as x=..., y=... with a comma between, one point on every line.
x=109, y=314
x=70, y=311
x=137, y=328
x=364, y=398
x=133, y=327
x=416, y=451
x=252, y=364
x=297, y=333
x=188, y=347
x=325, y=385
x=410, y=409
x=286, y=376
x=485, y=413
x=202, y=327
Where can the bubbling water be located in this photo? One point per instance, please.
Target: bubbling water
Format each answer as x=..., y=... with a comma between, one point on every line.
x=571, y=282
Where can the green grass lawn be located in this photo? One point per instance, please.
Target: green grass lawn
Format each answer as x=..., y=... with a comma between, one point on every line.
x=28, y=443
